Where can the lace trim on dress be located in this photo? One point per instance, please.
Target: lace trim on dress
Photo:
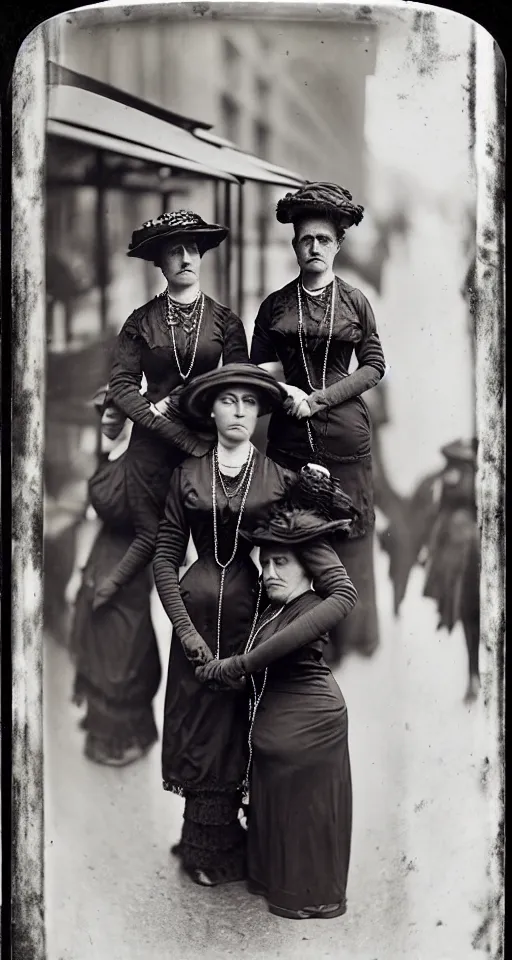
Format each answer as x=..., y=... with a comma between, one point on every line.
x=208, y=788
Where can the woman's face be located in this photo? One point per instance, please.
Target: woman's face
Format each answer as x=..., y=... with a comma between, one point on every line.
x=180, y=261
x=316, y=245
x=284, y=577
x=235, y=411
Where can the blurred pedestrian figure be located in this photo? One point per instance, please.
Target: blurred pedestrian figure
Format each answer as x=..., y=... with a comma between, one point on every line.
x=312, y=327
x=176, y=336
x=453, y=564
x=443, y=536
x=115, y=650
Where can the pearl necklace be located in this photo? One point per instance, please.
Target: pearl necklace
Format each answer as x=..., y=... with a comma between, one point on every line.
x=233, y=466
x=249, y=473
x=301, y=335
x=181, y=313
x=257, y=697
x=230, y=496
x=185, y=375
x=317, y=295
x=303, y=351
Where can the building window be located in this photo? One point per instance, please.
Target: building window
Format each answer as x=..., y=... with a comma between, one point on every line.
x=261, y=139
x=262, y=93
x=232, y=64
x=230, y=117
x=265, y=41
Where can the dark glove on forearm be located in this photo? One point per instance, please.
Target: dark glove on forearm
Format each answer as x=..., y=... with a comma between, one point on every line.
x=223, y=673
x=353, y=385
x=104, y=592
x=196, y=650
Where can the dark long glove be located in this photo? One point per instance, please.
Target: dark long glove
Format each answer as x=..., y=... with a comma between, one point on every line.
x=353, y=385
x=223, y=674
x=104, y=592
x=332, y=582
x=370, y=358
x=171, y=547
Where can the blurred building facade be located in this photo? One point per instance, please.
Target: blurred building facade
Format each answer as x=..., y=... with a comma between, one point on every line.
x=259, y=87
x=280, y=91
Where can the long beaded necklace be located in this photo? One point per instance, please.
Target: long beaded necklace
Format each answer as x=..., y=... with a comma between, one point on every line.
x=249, y=472
x=318, y=297
x=257, y=697
x=183, y=314
x=229, y=495
x=301, y=334
x=188, y=323
x=300, y=327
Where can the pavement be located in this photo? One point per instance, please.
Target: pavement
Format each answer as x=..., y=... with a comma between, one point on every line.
x=418, y=882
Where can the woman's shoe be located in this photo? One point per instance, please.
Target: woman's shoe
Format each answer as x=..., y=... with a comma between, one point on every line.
x=198, y=876
x=326, y=911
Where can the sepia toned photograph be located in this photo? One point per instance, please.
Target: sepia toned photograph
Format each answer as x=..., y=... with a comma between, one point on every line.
x=258, y=478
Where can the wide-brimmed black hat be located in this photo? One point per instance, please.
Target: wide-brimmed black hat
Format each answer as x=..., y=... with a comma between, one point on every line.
x=327, y=199
x=147, y=240
x=197, y=397
x=313, y=508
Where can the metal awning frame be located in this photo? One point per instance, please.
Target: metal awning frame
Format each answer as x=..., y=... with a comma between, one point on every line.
x=109, y=121
x=81, y=109
x=127, y=148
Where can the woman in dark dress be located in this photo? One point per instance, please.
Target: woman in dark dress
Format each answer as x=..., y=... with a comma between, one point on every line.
x=300, y=807
x=118, y=669
x=176, y=336
x=212, y=610
x=312, y=327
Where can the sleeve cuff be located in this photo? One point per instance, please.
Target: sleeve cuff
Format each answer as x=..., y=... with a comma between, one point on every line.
x=317, y=401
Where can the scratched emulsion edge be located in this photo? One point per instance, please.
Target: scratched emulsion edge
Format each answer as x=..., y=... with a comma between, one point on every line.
x=29, y=94
x=28, y=352
x=490, y=416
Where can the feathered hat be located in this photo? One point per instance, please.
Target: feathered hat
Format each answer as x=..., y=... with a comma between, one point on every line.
x=325, y=199
x=313, y=507
x=147, y=240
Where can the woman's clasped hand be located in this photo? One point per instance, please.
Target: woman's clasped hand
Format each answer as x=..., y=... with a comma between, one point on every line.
x=228, y=672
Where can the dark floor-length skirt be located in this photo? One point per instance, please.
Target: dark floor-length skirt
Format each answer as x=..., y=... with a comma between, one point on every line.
x=204, y=743
x=118, y=668
x=204, y=754
x=300, y=813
